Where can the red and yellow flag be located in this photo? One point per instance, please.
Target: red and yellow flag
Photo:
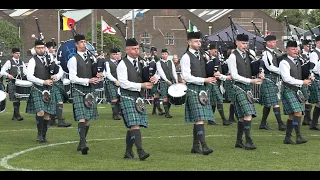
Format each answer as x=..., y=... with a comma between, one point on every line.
x=65, y=23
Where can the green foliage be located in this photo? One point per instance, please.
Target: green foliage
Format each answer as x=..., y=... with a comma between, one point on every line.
x=314, y=18
x=294, y=16
x=9, y=34
x=109, y=40
x=268, y=11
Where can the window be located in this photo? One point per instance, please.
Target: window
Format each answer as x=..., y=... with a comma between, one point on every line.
x=145, y=38
x=169, y=40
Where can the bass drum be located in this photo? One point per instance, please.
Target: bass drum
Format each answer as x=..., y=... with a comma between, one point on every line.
x=3, y=96
x=66, y=51
x=177, y=94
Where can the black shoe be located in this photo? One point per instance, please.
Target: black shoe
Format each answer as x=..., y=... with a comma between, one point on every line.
x=52, y=123
x=314, y=128
x=212, y=123
x=85, y=150
x=265, y=126
x=154, y=113
x=168, y=116
x=282, y=127
x=300, y=140
x=128, y=155
x=143, y=155
x=161, y=113
x=226, y=123
x=17, y=118
x=116, y=117
x=40, y=138
x=288, y=140
x=239, y=145
x=206, y=151
x=250, y=146
x=63, y=124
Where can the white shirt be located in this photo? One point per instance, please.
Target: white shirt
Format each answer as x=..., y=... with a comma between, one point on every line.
x=72, y=66
x=285, y=73
x=232, y=65
x=7, y=66
x=186, y=70
x=315, y=59
x=307, y=53
x=267, y=55
x=30, y=72
x=108, y=71
x=161, y=72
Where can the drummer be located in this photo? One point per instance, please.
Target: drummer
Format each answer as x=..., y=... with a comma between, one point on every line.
x=12, y=69
x=168, y=74
x=62, y=96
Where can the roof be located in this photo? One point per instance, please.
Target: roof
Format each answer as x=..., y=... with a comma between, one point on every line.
x=77, y=14
x=210, y=15
x=19, y=13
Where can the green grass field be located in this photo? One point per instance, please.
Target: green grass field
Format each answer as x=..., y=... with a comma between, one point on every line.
x=168, y=141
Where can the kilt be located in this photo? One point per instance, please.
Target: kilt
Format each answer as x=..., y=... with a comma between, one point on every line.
x=268, y=91
x=36, y=104
x=290, y=102
x=228, y=86
x=154, y=90
x=194, y=111
x=305, y=90
x=111, y=90
x=59, y=87
x=131, y=117
x=11, y=89
x=314, y=89
x=241, y=104
x=79, y=109
x=215, y=94
x=164, y=89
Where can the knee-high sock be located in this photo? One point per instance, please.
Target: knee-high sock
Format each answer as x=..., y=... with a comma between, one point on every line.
x=240, y=132
x=16, y=108
x=59, y=111
x=87, y=129
x=129, y=142
x=82, y=134
x=213, y=108
x=296, y=124
x=221, y=112
x=307, y=111
x=45, y=128
x=231, y=114
x=277, y=114
x=265, y=114
x=155, y=102
x=289, y=128
x=166, y=107
x=247, y=129
x=196, y=139
x=39, y=122
x=114, y=110
x=201, y=134
x=315, y=116
x=136, y=136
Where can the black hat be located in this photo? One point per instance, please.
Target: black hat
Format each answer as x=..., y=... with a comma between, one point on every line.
x=232, y=46
x=292, y=44
x=118, y=50
x=153, y=49
x=242, y=37
x=51, y=44
x=212, y=45
x=164, y=50
x=194, y=35
x=14, y=50
x=113, y=50
x=38, y=42
x=132, y=42
x=270, y=38
x=79, y=37
x=318, y=38
x=306, y=41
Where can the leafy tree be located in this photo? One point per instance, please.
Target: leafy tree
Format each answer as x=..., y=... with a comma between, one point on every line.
x=9, y=35
x=294, y=16
x=109, y=40
x=314, y=18
x=268, y=11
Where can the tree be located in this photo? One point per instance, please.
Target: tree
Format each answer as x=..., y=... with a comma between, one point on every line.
x=109, y=40
x=314, y=18
x=9, y=34
x=294, y=16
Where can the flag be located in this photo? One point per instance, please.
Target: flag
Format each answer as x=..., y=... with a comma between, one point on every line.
x=192, y=28
x=267, y=33
x=105, y=28
x=65, y=23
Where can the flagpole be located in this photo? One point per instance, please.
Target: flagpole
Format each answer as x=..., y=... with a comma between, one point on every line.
x=101, y=34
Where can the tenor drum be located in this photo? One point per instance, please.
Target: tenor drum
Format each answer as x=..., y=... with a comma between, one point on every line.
x=67, y=86
x=177, y=94
x=67, y=50
x=3, y=96
x=23, y=88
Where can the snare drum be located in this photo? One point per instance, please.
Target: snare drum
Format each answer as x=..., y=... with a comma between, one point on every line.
x=23, y=88
x=3, y=96
x=100, y=86
x=177, y=94
x=67, y=86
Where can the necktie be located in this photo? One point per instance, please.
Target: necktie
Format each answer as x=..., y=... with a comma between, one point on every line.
x=295, y=61
x=85, y=55
x=197, y=54
x=244, y=55
x=43, y=61
x=135, y=65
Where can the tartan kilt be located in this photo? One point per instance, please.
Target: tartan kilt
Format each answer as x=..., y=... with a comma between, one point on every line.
x=131, y=117
x=164, y=89
x=305, y=90
x=11, y=90
x=314, y=89
x=268, y=94
x=36, y=104
x=215, y=94
x=228, y=86
x=154, y=89
x=241, y=104
x=194, y=111
x=290, y=102
x=111, y=90
x=79, y=109
x=59, y=87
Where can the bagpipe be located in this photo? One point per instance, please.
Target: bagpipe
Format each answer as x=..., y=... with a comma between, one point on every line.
x=149, y=68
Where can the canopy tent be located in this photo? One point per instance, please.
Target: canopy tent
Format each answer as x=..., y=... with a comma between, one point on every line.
x=227, y=36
